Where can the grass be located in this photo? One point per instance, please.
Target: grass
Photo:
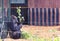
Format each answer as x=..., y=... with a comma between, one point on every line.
x=26, y=35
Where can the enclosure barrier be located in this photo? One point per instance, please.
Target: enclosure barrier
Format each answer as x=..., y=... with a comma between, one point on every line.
x=44, y=16
x=36, y=16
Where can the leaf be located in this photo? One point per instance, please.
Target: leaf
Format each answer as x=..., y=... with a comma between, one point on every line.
x=56, y=39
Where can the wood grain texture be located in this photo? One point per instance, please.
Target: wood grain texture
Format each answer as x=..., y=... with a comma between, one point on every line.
x=44, y=3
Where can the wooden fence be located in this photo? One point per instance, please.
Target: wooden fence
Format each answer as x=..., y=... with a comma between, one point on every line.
x=44, y=16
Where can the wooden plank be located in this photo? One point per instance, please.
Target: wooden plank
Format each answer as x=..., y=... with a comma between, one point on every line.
x=59, y=16
x=44, y=3
x=51, y=16
x=55, y=16
x=30, y=16
x=53, y=13
x=42, y=16
x=47, y=16
x=35, y=15
x=38, y=16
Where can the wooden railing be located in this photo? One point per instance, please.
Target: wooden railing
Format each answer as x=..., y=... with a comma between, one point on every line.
x=44, y=16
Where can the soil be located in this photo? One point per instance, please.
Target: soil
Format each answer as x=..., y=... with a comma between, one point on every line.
x=39, y=31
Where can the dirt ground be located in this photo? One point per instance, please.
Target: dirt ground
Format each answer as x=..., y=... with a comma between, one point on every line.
x=40, y=31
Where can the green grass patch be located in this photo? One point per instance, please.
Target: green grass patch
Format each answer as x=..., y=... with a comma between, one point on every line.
x=26, y=35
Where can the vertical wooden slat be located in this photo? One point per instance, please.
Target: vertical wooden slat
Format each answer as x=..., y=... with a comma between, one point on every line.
x=5, y=12
x=35, y=15
x=30, y=16
x=51, y=16
x=38, y=16
x=55, y=16
x=59, y=16
x=47, y=16
x=43, y=16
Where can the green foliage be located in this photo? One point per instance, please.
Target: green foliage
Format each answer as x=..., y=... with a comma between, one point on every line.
x=57, y=39
x=26, y=35
x=49, y=39
x=52, y=30
x=21, y=18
